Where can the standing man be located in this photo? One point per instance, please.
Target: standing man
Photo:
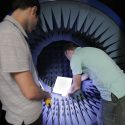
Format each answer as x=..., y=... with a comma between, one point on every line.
x=20, y=93
x=106, y=76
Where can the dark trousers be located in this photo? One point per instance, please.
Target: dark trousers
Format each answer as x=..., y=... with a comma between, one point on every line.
x=112, y=112
x=37, y=122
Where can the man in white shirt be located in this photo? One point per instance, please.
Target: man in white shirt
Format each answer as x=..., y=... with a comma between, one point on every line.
x=106, y=76
x=20, y=93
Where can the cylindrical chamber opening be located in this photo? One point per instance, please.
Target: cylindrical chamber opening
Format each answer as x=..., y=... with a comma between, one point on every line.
x=52, y=63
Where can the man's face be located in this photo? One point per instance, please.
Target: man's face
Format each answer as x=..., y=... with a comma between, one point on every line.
x=68, y=54
x=32, y=19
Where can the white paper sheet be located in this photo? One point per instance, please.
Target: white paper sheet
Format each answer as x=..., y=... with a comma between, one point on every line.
x=62, y=85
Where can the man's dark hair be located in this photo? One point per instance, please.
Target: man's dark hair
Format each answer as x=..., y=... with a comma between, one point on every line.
x=69, y=45
x=23, y=4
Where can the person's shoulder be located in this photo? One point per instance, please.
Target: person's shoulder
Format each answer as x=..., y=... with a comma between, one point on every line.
x=8, y=35
x=7, y=28
x=7, y=32
x=92, y=49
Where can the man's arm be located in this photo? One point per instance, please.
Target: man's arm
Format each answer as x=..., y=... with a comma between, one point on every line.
x=77, y=80
x=76, y=84
x=28, y=87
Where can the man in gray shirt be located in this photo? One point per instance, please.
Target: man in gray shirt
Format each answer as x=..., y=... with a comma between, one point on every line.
x=20, y=93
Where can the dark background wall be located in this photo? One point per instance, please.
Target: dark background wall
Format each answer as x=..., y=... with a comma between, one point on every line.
x=5, y=7
x=117, y=6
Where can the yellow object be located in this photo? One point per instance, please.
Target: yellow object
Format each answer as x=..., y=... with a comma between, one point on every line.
x=48, y=102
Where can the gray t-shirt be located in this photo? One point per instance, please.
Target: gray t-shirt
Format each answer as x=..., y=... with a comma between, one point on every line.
x=15, y=56
x=103, y=71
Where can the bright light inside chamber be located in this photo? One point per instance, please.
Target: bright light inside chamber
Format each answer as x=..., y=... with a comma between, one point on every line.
x=41, y=84
x=62, y=85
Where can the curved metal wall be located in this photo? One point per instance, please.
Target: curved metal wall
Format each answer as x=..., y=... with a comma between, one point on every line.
x=85, y=23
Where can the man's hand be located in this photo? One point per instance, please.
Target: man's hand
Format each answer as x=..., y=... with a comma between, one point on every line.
x=46, y=95
x=76, y=85
x=84, y=77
